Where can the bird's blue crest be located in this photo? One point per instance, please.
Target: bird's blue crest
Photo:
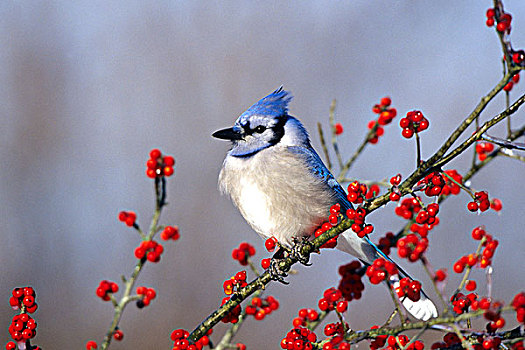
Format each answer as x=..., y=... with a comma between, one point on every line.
x=274, y=105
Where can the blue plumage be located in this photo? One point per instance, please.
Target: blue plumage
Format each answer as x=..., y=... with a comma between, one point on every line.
x=281, y=186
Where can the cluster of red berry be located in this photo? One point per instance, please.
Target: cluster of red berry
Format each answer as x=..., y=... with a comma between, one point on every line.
x=21, y=329
x=408, y=207
x=450, y=339
x=259, y=308
x=351, y=285
x=105, y=288
x=428, y=215
x=357, y=192
x=181, y=342
x=395, y=342
x=333, y=218
x=243, y=253
x=414, y=122
x=127, y=217
x=158, y=166
x=147, y=294
x=503, y=20
x=450, y=186
x=233, y=315
x=483, y=149
x=23, y=298
x=462, y=302
x=411, y=247
x=481, y=202
x=378, y=132
x=409, y=288
x=380, y=270
x=422, y=230
x=170, y=232
x=493, y=314
x=395, y=181
x=237, y=281
x=332, y=242
x=299, y=338
x=386, y=242
x=434, y=184
x=336, y=331
x=304, y=316
x=519, y=305
x=359, y=226
x=516, y=77
x=333, y=300
x=150, y=249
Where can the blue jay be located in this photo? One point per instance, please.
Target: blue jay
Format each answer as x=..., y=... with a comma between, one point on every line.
x=281, y=186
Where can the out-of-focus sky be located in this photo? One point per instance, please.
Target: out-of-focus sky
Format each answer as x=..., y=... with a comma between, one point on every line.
x=89, y=87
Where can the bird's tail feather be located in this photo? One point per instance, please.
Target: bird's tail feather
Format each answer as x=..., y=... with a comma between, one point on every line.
x=423, y=309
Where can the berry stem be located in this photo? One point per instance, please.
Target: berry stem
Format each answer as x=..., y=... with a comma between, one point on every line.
x=469, y=268
x=331, y=118
x=325, y=148
x=424, y=262
x=418, y=150
x=396, y=302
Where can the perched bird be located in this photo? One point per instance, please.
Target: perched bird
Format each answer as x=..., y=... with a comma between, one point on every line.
x=281, y=186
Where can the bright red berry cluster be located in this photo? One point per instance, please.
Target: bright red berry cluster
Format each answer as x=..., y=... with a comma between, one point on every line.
x=158, y=165
x=357, y=192
x=170, y=232
x=127, y=217
x=409, y=288
x=336, y=331
x=359, y=226
x=105, y=288
x=483, y=149
x=394, y=342
x=515, y=79
x=461, y=302
x=333, y=300
x=502, y=19
x=434, y=184
x=147, y=295
x=242, y=253
x=233, y=315
x=332, y=242
x=411, y=247
x=485, y=258
x=451, y=187
x=481, y=202
x=149, y=249
x=386, y=113
x=22, y=328
x=518, y=303
x=428, y=215
x=237, y=281
x=380, y=270
x=304, y=316
x=414, y=122
x=23, y=298
x=299, y=338
x=408, y=207
x=259, y=308
x=395, y=181
x=378, y=132
x=333, y=218
x=351, y=285
x=181, y=342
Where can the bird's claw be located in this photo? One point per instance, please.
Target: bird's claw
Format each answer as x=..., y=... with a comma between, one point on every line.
x=276, y=272
x=297, y=253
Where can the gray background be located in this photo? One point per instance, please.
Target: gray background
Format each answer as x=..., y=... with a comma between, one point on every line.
x=89, y=87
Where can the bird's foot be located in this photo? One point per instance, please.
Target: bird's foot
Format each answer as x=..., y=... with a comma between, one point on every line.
x=277, y=273
x=297, y=251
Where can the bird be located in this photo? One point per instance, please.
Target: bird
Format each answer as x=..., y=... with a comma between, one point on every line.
x=282, y=188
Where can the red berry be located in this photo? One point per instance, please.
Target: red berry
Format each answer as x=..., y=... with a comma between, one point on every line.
x=385, y=101
x=155, y=153
x=265, y=263
x=90, y=345
x=338, y=128
x=270, y=244
x=407, y=133
x=472, y=206
x=471, y=285
x=118, y=335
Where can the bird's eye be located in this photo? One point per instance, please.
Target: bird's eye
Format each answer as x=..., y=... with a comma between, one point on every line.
x=260, y=129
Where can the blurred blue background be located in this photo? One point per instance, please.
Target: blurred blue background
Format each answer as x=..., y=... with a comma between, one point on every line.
x=89, y=87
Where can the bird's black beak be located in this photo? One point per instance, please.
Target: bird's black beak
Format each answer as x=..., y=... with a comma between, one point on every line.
x=228, y=134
